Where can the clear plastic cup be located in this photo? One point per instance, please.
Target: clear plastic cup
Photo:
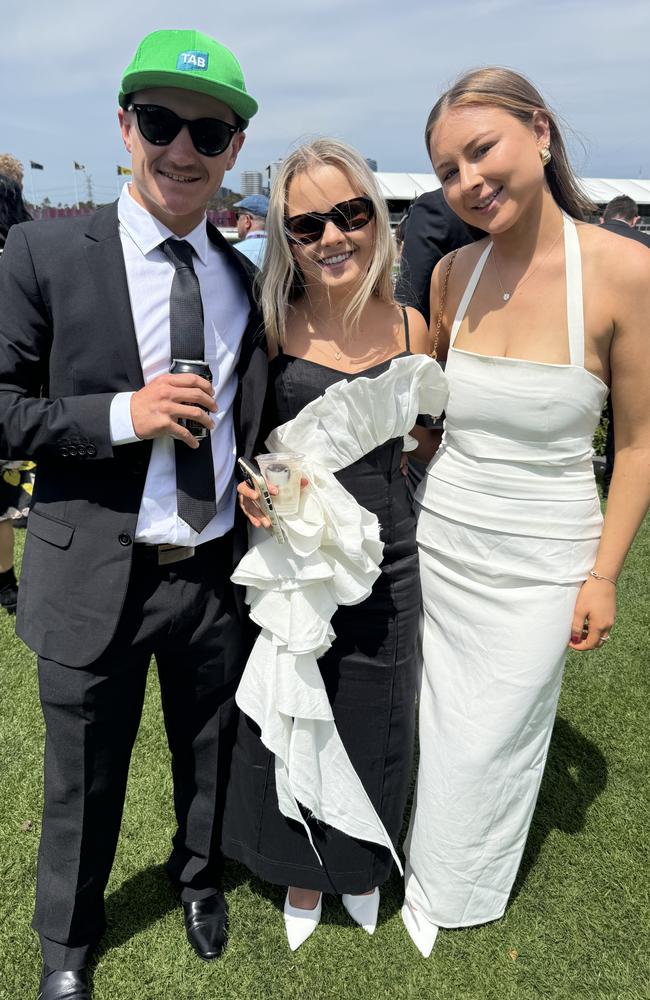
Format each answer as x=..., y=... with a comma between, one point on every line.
x=284, y=471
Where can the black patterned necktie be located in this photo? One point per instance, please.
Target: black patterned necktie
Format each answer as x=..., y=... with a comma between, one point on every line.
x=195, y=492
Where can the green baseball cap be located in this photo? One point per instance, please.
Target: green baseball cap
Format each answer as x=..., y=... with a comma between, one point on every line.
x=192, y=61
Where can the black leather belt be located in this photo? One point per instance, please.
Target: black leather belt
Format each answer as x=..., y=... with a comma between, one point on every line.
x=219, y=548
x=166, y=554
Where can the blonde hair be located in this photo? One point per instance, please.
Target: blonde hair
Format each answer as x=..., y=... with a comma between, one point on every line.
x=281, y=282
x=503, y=88
x=12, y=168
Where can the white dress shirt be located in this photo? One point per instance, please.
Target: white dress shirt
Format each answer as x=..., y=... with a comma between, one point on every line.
x=226, y=309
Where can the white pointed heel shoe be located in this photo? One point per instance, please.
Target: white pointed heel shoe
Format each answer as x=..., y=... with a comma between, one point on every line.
x=363, y=909
x=299, y=923
x=421, y=930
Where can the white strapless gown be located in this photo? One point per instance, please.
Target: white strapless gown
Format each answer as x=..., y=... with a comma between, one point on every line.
x=508, y=530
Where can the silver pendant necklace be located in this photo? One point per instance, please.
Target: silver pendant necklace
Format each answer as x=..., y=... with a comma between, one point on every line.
x=508, y=295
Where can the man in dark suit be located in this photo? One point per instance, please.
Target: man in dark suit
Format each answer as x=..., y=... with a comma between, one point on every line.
x=620, y=216
x=130, y=541
x=432, y=230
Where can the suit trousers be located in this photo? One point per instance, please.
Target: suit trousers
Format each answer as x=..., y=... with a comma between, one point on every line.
x=184, y=615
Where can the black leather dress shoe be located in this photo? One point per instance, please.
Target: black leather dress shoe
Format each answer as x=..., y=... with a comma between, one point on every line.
x=206, y=923
x=57, y=985
x=9, y=598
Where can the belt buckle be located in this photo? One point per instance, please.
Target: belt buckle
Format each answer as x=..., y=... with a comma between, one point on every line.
x=174, y=553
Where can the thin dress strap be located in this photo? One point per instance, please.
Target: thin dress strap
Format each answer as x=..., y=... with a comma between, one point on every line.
x=574, y=302
x=407, y=339
x=467, y=294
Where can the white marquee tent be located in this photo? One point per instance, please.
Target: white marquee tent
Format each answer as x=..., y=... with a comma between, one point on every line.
x=406, y=187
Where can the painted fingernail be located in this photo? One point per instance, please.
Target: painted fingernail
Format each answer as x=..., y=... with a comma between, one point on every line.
x=575, y=637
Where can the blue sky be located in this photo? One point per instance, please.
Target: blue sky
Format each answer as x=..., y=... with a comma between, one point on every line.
x=366, y=71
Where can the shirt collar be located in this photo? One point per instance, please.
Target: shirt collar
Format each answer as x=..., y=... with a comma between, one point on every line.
x=148, y=233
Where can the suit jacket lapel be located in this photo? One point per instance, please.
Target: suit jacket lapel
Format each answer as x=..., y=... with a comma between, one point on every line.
x=253, y=363
x=253, y=375
x=106, y=264
x=244, y=268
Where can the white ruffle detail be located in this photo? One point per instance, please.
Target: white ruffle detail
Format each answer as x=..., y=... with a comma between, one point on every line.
x=332, y=556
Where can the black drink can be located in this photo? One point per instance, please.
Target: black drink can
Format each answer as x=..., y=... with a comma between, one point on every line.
x=179, y=366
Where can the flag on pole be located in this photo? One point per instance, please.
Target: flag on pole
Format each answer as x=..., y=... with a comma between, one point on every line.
x=36, y=166
x=78, y=166
x=123, y=171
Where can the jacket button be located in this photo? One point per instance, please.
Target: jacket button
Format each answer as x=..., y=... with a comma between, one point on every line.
x=72, y=450
x=124, y=538
x=91, y=450
x=81, y=451
x=64, y=452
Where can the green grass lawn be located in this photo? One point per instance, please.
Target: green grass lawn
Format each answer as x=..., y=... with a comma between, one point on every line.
x=577, y=925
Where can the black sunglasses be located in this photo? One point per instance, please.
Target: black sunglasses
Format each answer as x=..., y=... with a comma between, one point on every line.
x=346, y=216
x=160, y=126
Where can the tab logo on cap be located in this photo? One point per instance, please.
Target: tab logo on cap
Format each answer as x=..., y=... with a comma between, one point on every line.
x=192, y=60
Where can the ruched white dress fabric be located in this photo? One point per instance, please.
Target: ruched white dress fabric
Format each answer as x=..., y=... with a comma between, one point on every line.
x=508, y=530
x=331, y=557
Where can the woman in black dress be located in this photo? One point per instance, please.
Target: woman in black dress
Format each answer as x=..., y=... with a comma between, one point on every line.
x=330, y=314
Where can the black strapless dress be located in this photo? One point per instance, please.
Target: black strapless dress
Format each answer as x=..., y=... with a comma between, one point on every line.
x=370, y=674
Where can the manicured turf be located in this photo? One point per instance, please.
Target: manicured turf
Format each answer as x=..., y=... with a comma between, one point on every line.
x=576, y=926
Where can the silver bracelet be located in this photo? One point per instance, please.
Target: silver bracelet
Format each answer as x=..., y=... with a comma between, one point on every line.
x=597, y=576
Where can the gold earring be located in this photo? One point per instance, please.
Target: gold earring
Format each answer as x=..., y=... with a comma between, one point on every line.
x=545, y=156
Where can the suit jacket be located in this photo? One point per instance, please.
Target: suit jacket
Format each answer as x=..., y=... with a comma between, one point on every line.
x=67, y=345
x=622, y=228
x=432, y=230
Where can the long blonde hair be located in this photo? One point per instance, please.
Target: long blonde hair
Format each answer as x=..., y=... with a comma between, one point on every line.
x=281, y=282
x=503, y=88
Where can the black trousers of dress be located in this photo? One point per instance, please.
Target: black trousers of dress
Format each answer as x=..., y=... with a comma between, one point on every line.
x=184, y=615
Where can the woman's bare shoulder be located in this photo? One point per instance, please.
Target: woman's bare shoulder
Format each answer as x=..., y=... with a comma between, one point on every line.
x=612, y=249
x=464, y=261
x=618, y=267
x=419, y=337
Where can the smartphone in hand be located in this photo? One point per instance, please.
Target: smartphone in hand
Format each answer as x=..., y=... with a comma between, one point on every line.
x=256, y=481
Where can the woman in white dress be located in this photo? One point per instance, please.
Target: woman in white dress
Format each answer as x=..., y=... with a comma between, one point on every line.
x=539, y=320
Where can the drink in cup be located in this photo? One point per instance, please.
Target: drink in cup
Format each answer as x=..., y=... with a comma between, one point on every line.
x=284, y=471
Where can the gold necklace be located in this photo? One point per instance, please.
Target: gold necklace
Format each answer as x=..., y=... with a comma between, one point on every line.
x=508, y=295
x=330, y=344
x=338, y=354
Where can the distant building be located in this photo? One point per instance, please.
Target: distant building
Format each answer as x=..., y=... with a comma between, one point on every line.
x=251, y=183
x=271, y=171
x=372, y=164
